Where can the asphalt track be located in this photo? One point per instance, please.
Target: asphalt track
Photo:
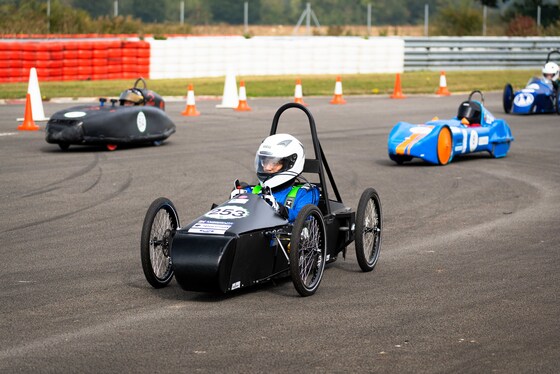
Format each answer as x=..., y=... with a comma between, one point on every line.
x=468, y=279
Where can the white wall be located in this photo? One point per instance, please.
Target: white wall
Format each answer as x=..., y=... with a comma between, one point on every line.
x=189, y=57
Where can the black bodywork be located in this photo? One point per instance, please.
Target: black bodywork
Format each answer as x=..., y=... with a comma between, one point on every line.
x=243, y=242
x=111, y=124
x=246, y=253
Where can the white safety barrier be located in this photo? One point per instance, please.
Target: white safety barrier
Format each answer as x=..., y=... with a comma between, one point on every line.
x=189, y=57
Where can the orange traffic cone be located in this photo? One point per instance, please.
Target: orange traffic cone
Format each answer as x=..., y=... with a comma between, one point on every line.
x=28, y=123
x=337, y=99
x=298, y=95
x=190, y=109
x=397, y=92
x=442, y=90
x=243, y=106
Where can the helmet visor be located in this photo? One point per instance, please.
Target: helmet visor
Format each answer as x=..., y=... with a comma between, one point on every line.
x=131, y=96
x=269, y=165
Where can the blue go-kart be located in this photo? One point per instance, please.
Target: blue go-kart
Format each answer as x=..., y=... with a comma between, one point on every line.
x=474, y=129
x=539, y=96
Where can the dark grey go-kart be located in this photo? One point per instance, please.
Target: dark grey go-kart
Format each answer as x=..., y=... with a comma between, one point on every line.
x=112, y=125
x=243, y=242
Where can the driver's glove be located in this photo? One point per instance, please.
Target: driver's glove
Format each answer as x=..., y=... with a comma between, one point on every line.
x=237, y=190
x=279, y=208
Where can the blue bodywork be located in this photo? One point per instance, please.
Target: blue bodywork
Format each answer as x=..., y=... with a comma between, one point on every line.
x=539, y=96
x=407, y=141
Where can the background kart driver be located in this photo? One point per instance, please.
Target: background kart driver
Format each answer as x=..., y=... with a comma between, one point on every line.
x=279, y=163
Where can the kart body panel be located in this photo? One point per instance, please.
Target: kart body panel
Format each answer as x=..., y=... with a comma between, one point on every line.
x=538, y=96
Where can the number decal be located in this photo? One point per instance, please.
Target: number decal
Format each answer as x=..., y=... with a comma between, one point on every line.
x=228, y=212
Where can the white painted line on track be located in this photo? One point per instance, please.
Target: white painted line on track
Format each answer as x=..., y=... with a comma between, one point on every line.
x=8, y=133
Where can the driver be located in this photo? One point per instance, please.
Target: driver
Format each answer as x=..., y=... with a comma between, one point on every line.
x=550, y=72
x=132, y=96
x=279, y=163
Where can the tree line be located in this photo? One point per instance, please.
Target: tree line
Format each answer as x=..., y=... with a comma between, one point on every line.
x=447, y=17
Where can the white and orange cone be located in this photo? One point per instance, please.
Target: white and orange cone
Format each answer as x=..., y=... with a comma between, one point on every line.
x=243, y=106
x=28, y=123
x=190, y=109
x=298, y=95
x=337, y=98
x=442, y=90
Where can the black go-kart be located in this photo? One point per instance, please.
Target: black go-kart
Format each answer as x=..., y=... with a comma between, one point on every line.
x=243, y=242
x=112, y=125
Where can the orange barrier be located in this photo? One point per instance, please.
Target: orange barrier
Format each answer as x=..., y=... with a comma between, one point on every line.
x=73, y=59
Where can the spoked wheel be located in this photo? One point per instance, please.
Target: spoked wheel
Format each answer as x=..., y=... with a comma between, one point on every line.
x=508, y=98
x=160, y=223
x=369, y=225
x=308, y=247
x=444, y=144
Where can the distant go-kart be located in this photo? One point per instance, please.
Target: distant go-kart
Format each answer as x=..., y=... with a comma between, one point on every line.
x=112, y=125
x=243, y=242
x=439, y=141
x=539, y=96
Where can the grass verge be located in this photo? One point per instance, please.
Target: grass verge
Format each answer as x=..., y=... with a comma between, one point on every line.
x=422, y=82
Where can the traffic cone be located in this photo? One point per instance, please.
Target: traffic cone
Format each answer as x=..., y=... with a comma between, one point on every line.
x=397, y=92
x=442, y=90
x=243, y=106
x=298, y=95
x=190, y=109
x=28, y=123
x=337, y=99
x=229, y=98
x=36, y=99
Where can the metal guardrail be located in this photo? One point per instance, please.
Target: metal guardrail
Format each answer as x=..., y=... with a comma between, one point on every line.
x=477, y=53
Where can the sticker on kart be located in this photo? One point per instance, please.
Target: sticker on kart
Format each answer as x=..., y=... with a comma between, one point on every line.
x=210, y=227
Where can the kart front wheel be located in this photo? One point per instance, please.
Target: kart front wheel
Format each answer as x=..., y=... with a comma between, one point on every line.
x=160, y=223
x=64, y=146
x=369, y=225
x=308, y=247
x=508, y=98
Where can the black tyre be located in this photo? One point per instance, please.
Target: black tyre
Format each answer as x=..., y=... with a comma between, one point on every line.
x=64, y=146
x=369, y=225
x=160, y=223
x=399, y=159
x=308, y=247
x=508, y=98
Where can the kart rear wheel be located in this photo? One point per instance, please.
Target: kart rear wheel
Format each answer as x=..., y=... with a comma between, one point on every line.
x=308, y=247
x=445, y=142
x=64, y=146
x=369, y=225
x=160, y=223
x=508, y=98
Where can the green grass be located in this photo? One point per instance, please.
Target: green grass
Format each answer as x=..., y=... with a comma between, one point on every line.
x=276, y=86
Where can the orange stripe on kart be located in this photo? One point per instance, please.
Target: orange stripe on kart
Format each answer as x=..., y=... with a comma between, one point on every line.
x=402, y=147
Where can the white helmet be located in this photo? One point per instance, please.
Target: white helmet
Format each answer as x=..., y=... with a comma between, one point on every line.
x=279, y=159
x=551, y=68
